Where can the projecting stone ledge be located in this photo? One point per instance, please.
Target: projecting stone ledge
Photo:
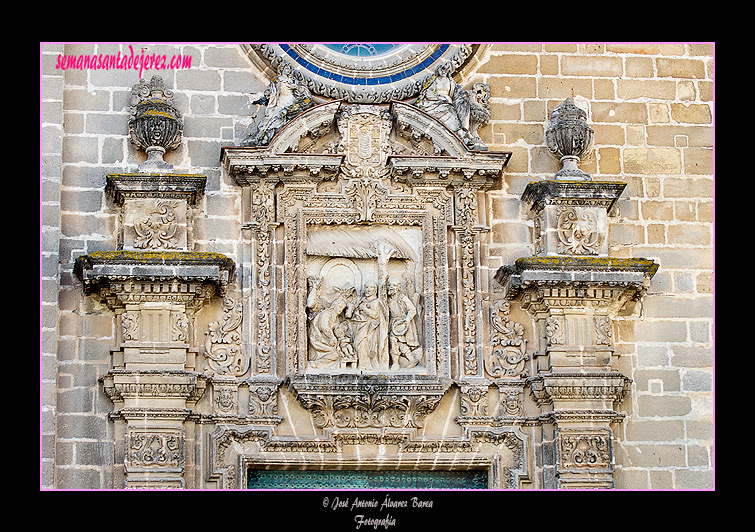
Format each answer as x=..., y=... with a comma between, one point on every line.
x=612, y=280
x=575, y=270
x=132, y=276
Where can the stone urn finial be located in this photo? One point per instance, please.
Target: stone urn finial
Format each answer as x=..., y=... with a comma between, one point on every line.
x=155, y=124
x=569, y=138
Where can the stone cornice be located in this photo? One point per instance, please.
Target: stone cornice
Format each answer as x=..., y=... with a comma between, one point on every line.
x=547, y=387
x=154, y=265
x=181, y=276
x=577, y=272
x=121, y=186
x=539, y=193
x=127, y=384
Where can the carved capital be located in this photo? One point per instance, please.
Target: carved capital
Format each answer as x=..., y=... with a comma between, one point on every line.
x=127, y=388
x=598, y=388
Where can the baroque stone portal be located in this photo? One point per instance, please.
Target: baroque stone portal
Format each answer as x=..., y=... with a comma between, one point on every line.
x=365, y=204
x=366, y=276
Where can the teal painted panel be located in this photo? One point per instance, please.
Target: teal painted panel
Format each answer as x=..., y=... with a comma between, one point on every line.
x=365, y=479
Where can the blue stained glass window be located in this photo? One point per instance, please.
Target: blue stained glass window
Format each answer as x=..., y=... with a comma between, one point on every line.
x=365, y=479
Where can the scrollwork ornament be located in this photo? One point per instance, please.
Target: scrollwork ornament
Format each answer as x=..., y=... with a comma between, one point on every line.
x=603, y=331
x=578, y=232
x=180, y=327
x=507, y=340
x=223, y=342
x=154, y=449
x=554, y=330
x=584, y=450
x=130, y=326
x=158, y=229
x=263, y=203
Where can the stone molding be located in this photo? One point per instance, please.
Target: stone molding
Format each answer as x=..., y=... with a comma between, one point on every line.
x=608, y=387
x=120, y=277
x=370, y=81
x=235, y=448
x=123, y=186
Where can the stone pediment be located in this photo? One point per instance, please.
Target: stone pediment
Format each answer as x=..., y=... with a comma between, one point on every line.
x=418, y=148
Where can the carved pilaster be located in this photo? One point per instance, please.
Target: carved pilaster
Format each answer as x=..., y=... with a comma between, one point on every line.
x=572, y=290
x=467, y=236
x=155, y=285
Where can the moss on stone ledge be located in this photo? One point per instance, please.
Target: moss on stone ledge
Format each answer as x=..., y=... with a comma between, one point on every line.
x=588, y=263
x=154, y=258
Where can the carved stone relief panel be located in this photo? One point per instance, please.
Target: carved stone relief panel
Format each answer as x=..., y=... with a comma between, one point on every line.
x=371, y=288
x=507, y=357
x=155, y=224
x=154, y=456
x=363, y=301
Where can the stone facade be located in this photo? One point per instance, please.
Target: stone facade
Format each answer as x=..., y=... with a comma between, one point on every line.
x=243, y=272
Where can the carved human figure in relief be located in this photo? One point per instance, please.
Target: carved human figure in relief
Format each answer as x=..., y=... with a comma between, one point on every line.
x=329, y=345
x=370, y=323
x=284, y=99
x=462, y=111
x=405, y=350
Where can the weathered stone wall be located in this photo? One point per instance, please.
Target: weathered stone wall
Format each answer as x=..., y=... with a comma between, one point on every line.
x=650, y=105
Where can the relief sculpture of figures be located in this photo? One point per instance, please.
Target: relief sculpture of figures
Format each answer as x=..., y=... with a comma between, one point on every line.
x=370, y=319
x=284, y=99
x=462, y=111
x=329, y=346
x=374, y=331
x=404, y=342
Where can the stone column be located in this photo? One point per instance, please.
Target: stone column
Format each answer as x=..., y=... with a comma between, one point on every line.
x=573, y=290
